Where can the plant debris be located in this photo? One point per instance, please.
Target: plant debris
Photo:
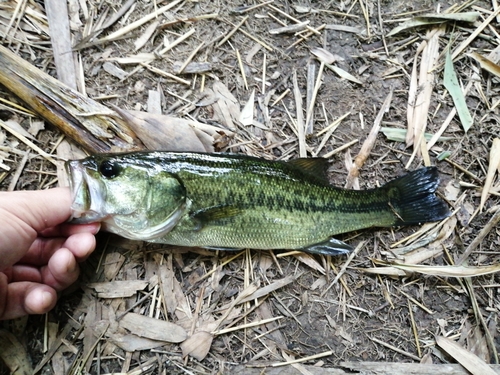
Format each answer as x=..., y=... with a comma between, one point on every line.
x=277, y=81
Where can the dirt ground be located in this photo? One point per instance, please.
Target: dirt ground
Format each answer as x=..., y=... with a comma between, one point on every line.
x=368, y=308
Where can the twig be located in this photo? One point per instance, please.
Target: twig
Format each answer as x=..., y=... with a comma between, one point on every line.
x=492, y=223
x=124, y=30
x=300, y=116
x=28, y=143
x=368, y=144
x=414, y=330
x=344, y=267
x=249, y=325
x=304, y=359
x=473, y=36
x=190, y=57
x=397, y=350
x=242, y=68
x=230, y=34
x=341, y=148
x=311, y=29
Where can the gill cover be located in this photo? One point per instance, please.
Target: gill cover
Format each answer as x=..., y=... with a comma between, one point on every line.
x=129, y=200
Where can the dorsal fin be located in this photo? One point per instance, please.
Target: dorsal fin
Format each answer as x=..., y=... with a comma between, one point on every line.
x=314, y=167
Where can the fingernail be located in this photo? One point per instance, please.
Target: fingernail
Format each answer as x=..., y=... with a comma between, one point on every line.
x=97, y=228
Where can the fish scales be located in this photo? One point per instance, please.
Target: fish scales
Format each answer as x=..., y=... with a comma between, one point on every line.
x=236, y=201
x=275, y=200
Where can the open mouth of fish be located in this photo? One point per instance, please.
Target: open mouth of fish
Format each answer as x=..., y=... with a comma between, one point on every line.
x=86, y=202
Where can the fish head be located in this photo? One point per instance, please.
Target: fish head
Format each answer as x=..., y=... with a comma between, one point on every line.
x=130, y=197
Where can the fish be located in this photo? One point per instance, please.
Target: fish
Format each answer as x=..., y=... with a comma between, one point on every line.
x=231, y=201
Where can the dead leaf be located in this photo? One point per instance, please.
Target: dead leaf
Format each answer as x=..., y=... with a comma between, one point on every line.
x=228, y=105
x=493, y=166
x=162, y=132
x=467, y=359
x=443, y=271
x=310, y=261
x=155, y=329
x=431, y=19
x=198, y=345
x=294, y=28
x=113, y=264
x=14, y=125
x=115, y=71
x=118, y=289
x=35, y=127
x=13, y=354
x=486, y=63
x=325, y=56
x=146, y=35
x=246, y=115
x=261, y=292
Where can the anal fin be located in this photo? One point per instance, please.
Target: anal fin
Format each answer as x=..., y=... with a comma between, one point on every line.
x=331, y=246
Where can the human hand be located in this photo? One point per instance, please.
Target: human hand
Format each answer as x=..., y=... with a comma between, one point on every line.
x=39, y=251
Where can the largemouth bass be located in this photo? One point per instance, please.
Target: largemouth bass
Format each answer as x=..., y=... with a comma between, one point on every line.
x=230, y=201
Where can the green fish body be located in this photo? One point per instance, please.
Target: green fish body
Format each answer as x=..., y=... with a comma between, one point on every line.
x=229, y=201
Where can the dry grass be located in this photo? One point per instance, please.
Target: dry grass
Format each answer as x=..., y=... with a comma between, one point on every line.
x=275, y=80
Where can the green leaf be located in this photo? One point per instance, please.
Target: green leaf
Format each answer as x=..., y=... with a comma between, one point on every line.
x=399, y=135
x=444, y=155
x=453, y=87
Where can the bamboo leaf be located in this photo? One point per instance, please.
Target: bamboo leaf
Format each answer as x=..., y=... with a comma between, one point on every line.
x=486, y=63
x=493, y=166
x=443, y=271
x=453, y=87
x=343, y=74
x=432, y=19
x=399, y=135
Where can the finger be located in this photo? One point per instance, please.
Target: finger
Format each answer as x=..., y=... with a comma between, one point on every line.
x=61, y=271
x=23, y=214
x=42, y=249
x=81, y=245
x=24, y=298
x=40, y=209
x=19, y=273
x=66, y=229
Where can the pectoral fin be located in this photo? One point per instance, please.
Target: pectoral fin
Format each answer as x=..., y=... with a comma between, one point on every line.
x=331, y=246
x=217, y=215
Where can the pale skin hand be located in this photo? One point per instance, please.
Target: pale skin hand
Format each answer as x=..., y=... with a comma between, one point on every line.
x=39, y=252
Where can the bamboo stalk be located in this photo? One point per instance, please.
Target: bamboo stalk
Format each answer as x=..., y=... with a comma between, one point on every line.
x=95, y=127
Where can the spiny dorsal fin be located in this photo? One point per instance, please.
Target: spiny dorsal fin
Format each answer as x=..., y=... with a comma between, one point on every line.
x=314, y=167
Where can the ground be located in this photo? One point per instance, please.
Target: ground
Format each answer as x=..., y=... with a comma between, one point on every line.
x=372, y=312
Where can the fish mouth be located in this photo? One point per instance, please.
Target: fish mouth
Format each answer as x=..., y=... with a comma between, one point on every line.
x=84, y=194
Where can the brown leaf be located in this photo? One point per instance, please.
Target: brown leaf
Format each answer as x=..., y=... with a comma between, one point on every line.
x=118, y=289
x=198, y=345
x=467, y=359
x=151, y=328
x=161, y=132
x=13, y=354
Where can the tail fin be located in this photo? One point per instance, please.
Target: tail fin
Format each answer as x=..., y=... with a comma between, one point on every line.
x=413, y=200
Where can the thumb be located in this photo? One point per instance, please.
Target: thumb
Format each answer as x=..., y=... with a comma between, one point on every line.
x=40, y=209
x=24, y=214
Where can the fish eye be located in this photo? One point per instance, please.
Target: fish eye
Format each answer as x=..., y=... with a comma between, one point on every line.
x=109, y=169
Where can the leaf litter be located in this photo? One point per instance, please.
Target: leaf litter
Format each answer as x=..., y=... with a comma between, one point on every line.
x=203, y=61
